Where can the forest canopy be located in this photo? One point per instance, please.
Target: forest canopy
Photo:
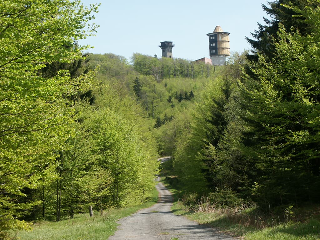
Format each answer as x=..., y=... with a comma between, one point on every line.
x=81, y=131
x=68, y=139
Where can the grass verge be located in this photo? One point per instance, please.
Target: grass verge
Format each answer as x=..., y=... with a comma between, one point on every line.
x=240, y=225
x=292, y=223
x=82, y=227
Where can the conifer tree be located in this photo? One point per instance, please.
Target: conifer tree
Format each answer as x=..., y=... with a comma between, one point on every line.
x=282, y=108
x=280, y=14
x=137, y=87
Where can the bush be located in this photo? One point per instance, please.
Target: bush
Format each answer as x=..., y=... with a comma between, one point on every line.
x=191, y=200
x=224, y=198
x=221, y=199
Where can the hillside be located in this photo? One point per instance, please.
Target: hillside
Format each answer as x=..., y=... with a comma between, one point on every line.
x=84, y=131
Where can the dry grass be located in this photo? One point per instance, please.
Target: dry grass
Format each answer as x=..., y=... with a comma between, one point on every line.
x=250, y=223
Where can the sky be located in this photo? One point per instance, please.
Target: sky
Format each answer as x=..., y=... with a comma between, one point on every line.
x=138, y=26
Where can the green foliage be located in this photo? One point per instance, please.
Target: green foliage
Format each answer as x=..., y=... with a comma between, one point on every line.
x=121, y=151
x=259, y=135
x=282, y=105
x=78, y=132
x=36, y=115
x=71, y=136
x=170, y=68
x=223, y=199
x=111, y=160
x=281, y=15
x=217, y=200
x=290, y=231
x=137, y=87
x=82, y=226
x=251, y=224
x=208, y=156
x=164, y=98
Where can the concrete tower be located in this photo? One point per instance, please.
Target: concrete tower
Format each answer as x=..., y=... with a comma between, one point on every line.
x=166, y=49
x=219, y=46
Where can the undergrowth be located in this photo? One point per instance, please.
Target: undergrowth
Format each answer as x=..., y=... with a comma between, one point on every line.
x=250, y=223
x=230, y=214
x=82, y=226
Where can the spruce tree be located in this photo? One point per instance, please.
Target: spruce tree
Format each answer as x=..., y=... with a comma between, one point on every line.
x=281, y=101
x=280, y=14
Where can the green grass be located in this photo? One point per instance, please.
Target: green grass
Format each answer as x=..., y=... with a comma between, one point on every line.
x=291, y=224
x=241, y=225
x=82, y=227
x=214, y=219
x=289, y=231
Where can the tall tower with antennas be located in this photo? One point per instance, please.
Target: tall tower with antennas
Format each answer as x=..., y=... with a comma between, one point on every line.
x=219, y=46
x=166, y=49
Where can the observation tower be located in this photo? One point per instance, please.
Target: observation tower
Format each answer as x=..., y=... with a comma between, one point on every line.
x=166, y=49
x=219, y=46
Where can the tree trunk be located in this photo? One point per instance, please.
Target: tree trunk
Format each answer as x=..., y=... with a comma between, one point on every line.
x=71, y=211
x=43, y=202
x=58, y=200
x=90, y=211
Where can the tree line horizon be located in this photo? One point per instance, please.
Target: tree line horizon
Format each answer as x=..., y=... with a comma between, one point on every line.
x=85, y=130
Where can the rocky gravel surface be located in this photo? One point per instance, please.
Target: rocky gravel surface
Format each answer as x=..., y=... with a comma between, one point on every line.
x=159, y=222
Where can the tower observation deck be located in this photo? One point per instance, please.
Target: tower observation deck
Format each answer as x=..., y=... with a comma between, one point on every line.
x=166, y=49
x=219, y=46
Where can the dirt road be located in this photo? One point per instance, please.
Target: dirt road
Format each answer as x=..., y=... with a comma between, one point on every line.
x=158, y=222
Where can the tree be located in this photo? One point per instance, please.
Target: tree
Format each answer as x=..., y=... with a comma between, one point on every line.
x=35, y=120
x=210, y=157
x=137, y=87
x=282, y=105
x=194, y=156
x=281, y=14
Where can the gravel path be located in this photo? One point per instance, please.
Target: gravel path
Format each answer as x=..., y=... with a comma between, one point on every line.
x=158, y=222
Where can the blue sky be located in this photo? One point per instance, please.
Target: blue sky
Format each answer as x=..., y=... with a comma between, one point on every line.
x=138, y=26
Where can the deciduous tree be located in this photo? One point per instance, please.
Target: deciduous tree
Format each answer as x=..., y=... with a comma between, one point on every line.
x=34, y=119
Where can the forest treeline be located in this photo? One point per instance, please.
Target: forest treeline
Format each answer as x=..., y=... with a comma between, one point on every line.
x=71, y=137
x=80, y=130
x=255, y=132
x=77, y=130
